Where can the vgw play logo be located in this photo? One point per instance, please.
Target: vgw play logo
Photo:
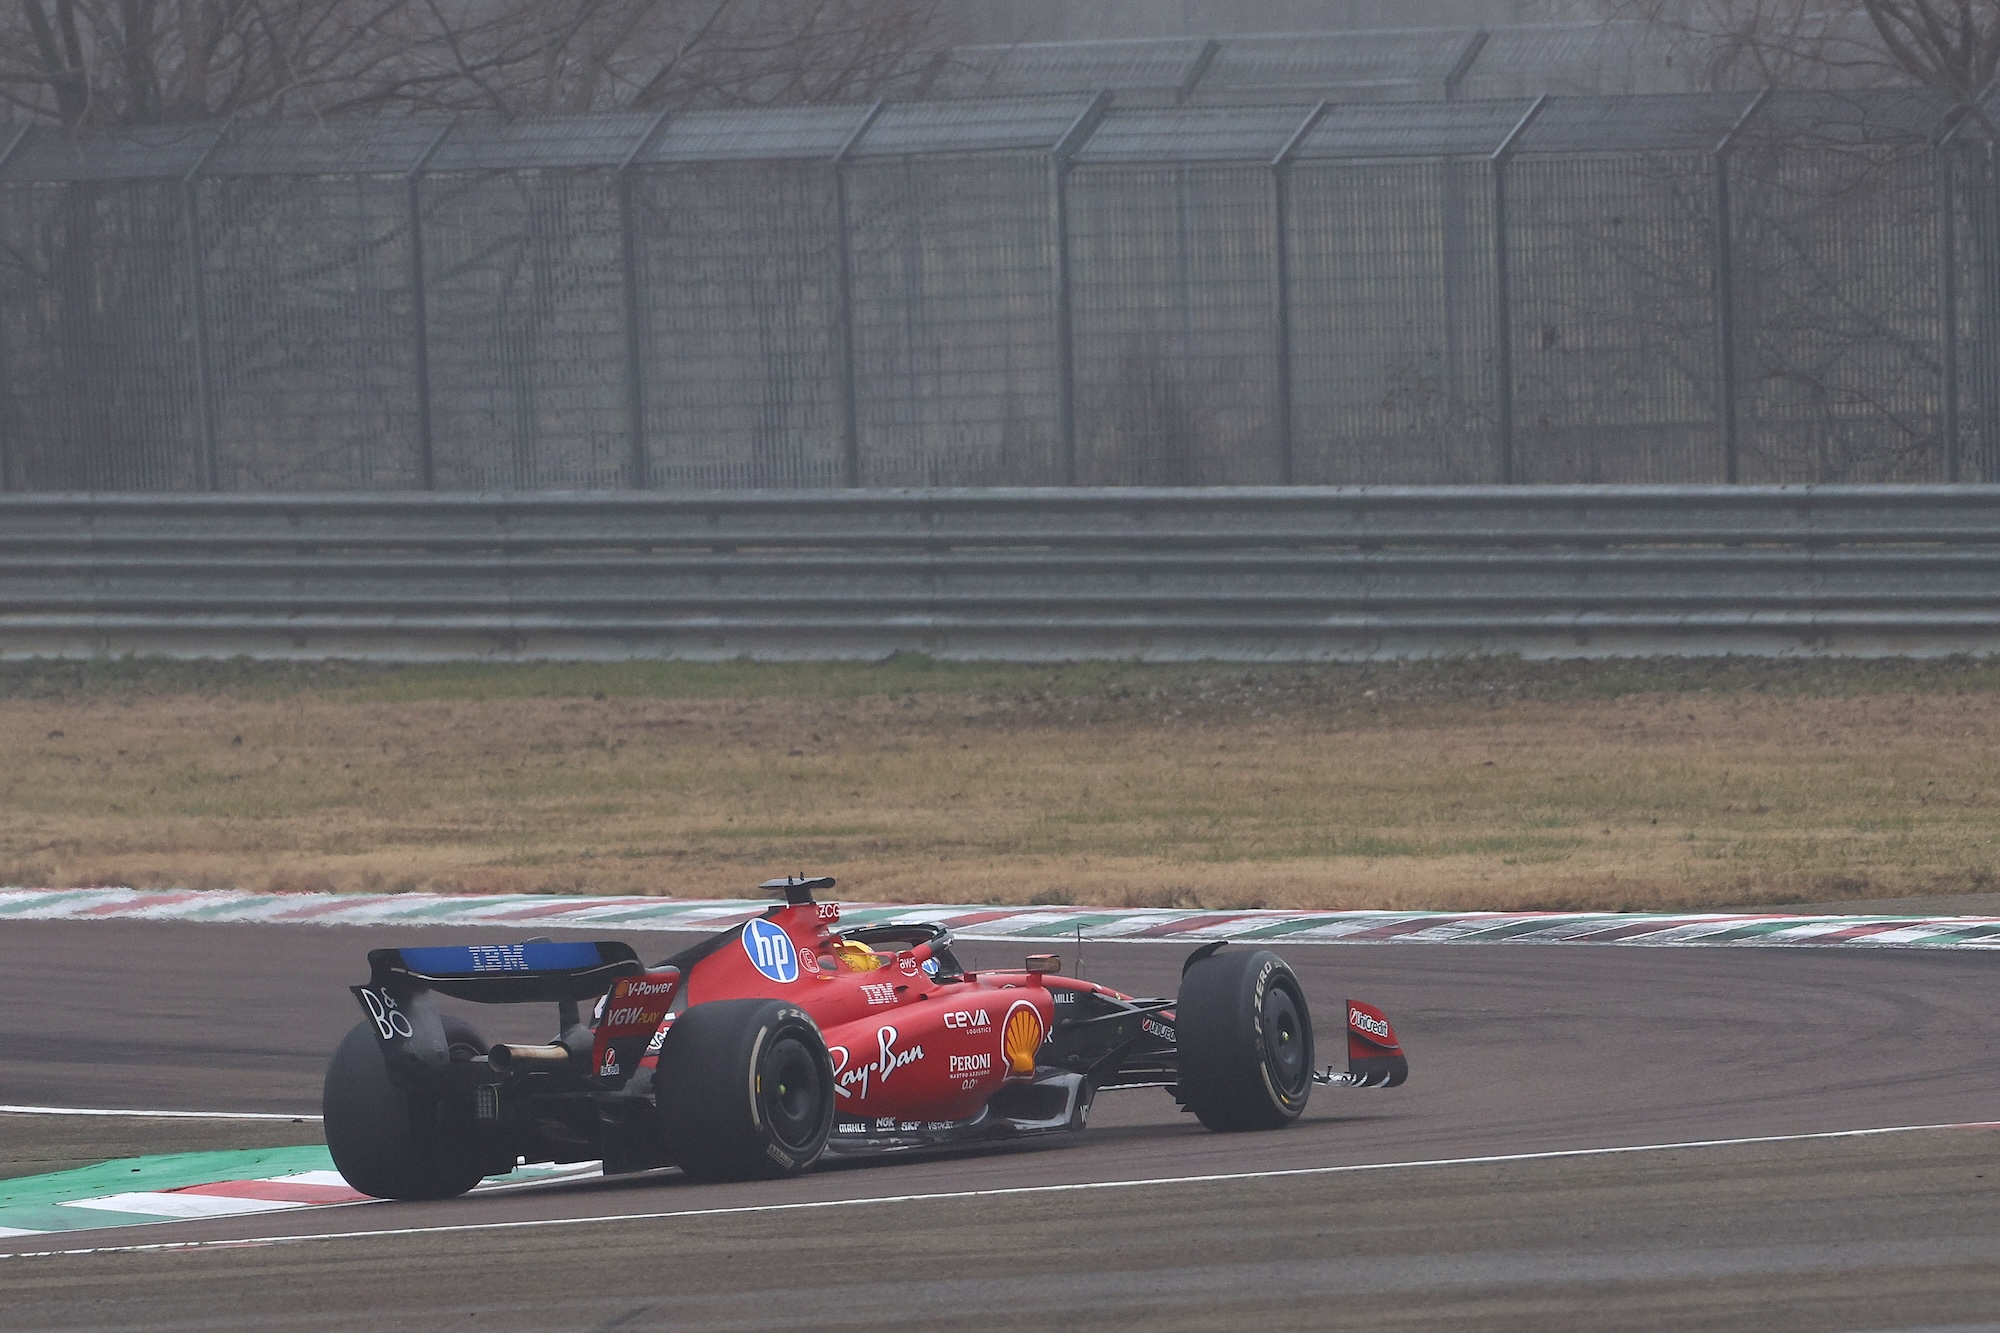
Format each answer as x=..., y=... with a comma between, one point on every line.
x=770, y=951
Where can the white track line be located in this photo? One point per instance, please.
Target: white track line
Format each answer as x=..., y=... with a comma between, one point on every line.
x=1079, y=1187
x=154, y=1115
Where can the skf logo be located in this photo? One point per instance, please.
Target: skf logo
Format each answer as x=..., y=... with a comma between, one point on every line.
x=1373, y=1026
x=970, y=1020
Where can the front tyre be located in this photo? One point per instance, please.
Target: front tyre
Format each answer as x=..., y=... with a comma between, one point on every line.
x=1245, y=1038
x=386, y=1140
x=745, y=1090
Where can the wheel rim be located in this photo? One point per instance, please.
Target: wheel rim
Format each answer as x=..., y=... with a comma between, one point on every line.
x=793, y=1100
x=1285, y=1041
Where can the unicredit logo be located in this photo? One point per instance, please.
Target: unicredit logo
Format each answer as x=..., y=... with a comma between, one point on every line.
x=1373, y=1026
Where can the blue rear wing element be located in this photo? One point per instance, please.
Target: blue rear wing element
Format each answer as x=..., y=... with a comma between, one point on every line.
x=472, y=960
x=530, y=972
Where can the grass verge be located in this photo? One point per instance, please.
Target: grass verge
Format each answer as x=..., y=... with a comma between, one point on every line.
x=1452, y=784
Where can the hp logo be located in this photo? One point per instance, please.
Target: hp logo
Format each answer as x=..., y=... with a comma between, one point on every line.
x=770, y=951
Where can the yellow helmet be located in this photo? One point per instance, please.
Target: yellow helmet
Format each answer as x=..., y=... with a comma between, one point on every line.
x=856, y=957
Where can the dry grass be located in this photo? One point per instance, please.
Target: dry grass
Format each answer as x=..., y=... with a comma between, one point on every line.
x=1321, y=787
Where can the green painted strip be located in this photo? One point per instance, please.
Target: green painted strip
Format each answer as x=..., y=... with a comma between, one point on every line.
x=1280, y=928
x=30, y=1202
x=212, y=910
x=449, y=907
x=1981, y=932
x=1755, y=930
x=653, y=912
x=1509, y=930
x=1068, y=926
x=48, y=1217
x=868, y=916
x=12, y=906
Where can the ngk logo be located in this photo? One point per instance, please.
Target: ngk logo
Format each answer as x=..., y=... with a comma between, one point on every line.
x=972, y=1064
x=969, y=1020
x=1367, y=1023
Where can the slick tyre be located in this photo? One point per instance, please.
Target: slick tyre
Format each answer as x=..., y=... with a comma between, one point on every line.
x=1245, y=1038
x=745, y=1090
x=387, y=1141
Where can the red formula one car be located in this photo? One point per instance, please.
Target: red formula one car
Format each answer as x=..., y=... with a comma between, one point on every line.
x=764, y=1047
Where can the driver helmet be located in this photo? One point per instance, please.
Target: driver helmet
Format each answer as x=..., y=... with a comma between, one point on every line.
x=855, y=956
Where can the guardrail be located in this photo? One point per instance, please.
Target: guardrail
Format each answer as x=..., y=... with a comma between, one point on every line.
x=1245, y=574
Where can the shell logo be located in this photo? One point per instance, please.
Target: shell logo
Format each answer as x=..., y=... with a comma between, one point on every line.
x=1021, y=1036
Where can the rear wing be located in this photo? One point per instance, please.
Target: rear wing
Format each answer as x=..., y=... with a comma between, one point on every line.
x=397, y=999
x=536, y=971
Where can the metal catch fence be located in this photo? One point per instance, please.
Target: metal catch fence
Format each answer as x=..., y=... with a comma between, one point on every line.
x=1030, y=291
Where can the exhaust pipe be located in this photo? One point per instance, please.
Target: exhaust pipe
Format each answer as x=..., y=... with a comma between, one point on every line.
x=507, y=1058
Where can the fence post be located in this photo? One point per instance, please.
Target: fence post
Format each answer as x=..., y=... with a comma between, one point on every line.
x=1503, y=315
x=1948, y=313
x=204, y=374
x=1281, y=263
x=10, y=465
x=1060, y=157
x=628, y=255
x=850, y=414
x=1979, y=198
x=1468, y=55
x=420, y=310
x=1725, y=292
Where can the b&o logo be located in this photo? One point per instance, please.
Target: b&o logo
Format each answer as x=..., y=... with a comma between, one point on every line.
x=390, y=1021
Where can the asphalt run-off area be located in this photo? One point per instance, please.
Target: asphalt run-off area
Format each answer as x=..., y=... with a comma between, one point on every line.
x=1715, y=1135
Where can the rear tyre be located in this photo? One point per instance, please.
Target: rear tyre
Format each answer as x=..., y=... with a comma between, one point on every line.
x=389, y=1141
x=745, y=1090
x=1245, y=1038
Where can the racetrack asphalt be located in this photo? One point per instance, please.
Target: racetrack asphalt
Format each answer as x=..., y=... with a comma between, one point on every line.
x=1514, y=1050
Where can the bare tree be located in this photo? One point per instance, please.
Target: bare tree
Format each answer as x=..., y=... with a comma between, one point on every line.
x=1766, y=43
x=107, y=62
x=1951, y=46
